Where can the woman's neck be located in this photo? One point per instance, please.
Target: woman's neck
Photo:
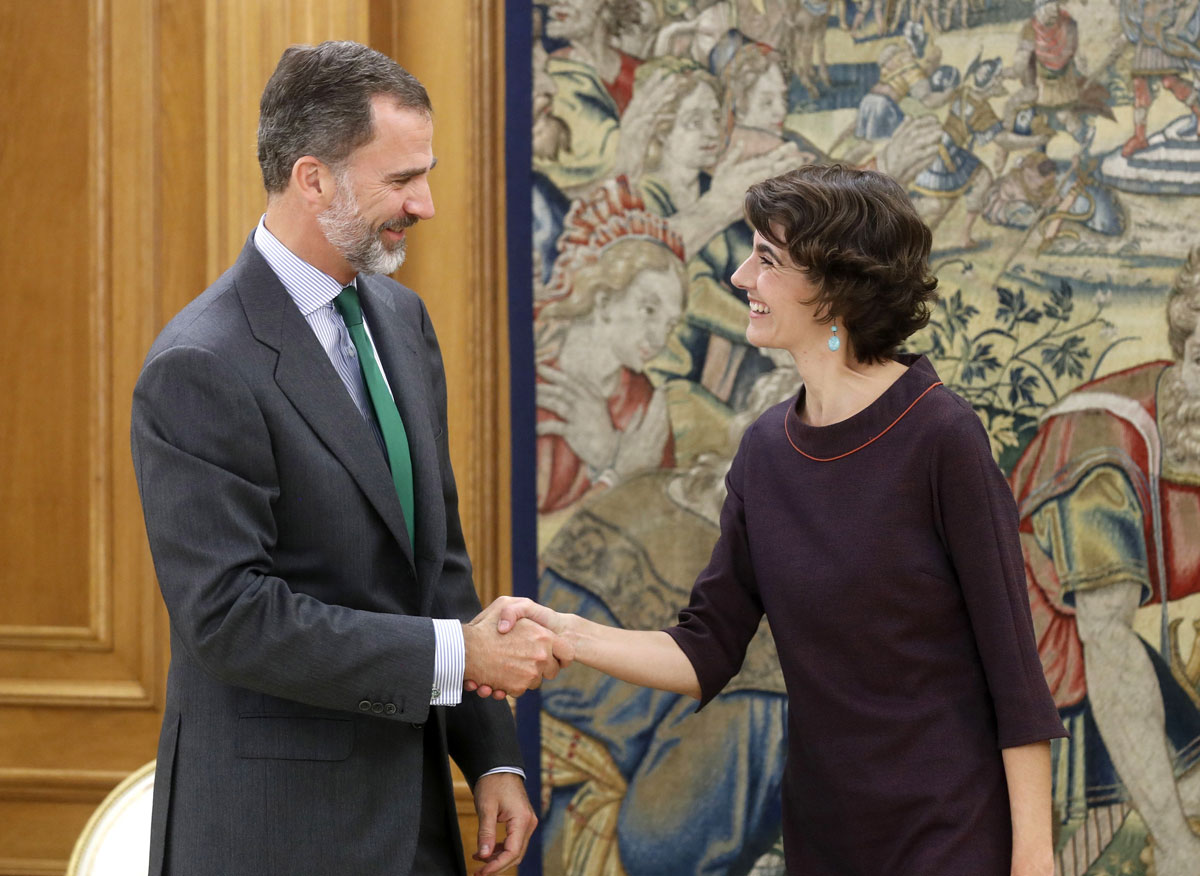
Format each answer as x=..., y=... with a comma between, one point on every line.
x=837, y=386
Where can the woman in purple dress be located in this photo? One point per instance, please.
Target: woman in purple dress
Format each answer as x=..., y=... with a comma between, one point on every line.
x=866, y=518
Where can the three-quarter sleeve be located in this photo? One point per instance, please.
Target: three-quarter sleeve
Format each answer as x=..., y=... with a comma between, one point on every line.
x=977, y=521
x=725, y=608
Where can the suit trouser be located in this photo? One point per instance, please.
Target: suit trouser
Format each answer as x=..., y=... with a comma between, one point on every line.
x=437, y=853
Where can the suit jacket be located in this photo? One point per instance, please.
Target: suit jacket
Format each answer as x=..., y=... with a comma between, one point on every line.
x=301, y=645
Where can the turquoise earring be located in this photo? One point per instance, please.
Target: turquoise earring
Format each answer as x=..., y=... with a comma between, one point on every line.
x=834, y=341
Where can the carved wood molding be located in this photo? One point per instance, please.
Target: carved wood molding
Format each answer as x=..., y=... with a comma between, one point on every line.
x=32, y=867
x=53, y=637
x=115, y=693
x=488, y=278
x=57, y=785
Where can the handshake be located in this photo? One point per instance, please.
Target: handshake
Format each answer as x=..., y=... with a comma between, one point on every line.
x=512, y=645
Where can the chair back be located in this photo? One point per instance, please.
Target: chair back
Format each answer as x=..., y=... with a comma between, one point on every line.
x=116, y=840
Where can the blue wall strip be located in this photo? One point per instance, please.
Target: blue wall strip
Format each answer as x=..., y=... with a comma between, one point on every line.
x=519, y=160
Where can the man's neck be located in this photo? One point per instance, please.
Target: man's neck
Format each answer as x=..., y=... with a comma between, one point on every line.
x=302, y=234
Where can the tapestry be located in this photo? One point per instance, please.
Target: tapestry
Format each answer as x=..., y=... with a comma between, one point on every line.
x=1052, y=148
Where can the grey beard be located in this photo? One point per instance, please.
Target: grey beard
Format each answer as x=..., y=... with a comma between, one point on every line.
x=354, y=238
x=1179, y=422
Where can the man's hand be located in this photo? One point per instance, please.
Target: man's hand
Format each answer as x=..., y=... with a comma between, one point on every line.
x=513, y=663
x=512, y=613
x=501, y=798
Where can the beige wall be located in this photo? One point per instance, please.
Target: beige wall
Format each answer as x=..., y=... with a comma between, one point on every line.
x=129, y=168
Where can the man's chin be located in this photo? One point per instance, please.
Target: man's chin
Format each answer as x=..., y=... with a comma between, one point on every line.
x=390, y=263
x=381, y=259
x=394, y=258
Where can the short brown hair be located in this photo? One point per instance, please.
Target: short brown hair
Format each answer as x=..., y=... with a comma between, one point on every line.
x=318, y=102
x=859, y=240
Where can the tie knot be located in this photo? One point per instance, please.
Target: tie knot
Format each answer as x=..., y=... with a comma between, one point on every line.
x=347, y=305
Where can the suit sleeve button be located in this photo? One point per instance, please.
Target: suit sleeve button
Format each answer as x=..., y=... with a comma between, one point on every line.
x=377, y=708
x=389, y=709
x=364, y=706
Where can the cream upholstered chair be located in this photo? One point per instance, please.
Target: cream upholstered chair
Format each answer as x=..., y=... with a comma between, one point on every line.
x=116, y=840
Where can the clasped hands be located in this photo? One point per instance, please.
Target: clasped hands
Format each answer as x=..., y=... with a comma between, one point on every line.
x=512, y=645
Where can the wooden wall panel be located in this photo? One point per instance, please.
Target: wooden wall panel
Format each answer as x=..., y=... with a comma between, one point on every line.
x=79, y=621
x=243, y=45
x=82, y=638
x=47, y=417
x=133, y=181
x=457, y=261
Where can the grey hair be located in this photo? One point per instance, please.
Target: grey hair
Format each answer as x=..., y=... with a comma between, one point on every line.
x=318, y=102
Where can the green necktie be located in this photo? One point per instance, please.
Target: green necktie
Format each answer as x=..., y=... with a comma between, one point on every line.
x=395, y=438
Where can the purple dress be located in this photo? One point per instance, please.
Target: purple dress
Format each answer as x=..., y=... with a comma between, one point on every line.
x=884, y=552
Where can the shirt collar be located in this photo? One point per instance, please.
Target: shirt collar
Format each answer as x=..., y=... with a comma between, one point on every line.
x=309, y=287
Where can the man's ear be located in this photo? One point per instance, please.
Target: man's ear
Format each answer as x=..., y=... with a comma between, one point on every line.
x=313, y=181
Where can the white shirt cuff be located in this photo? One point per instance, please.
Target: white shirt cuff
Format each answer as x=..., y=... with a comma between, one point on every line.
x=514, y=770
x=449, y=663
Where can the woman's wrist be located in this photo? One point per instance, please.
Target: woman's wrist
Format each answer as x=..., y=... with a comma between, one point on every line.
x=570, y=629
x=1032, y=850
x=1033, y=862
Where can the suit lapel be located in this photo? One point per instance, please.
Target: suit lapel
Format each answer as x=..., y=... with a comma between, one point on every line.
x=305, y=375
x=402, y=355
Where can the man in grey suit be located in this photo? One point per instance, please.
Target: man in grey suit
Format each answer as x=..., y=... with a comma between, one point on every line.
x=289, y=440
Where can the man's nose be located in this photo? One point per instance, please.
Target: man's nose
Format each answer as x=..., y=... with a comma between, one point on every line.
x=420, y=203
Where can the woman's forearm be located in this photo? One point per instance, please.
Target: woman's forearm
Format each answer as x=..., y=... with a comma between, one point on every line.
x=649, y=658
x=1027, y=772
